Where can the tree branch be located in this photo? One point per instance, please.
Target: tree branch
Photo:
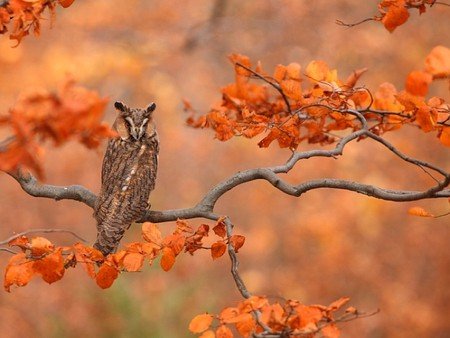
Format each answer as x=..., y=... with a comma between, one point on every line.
x=74, y=192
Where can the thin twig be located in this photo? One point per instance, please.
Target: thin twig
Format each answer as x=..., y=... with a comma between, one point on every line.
x=341, y=23
x=274, y=85
x=45, y=231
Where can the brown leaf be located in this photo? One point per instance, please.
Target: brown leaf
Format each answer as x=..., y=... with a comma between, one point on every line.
x=218, y=249
x=237, y=241
x=219, y=229
x=336, y=305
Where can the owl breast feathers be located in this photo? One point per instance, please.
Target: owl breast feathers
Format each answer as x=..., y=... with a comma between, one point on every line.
x=128, y=175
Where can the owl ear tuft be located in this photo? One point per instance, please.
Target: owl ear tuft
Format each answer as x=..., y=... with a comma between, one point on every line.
x=151, y=107
x=120, y=106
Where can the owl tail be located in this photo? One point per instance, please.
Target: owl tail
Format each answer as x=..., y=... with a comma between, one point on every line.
x=108, y=237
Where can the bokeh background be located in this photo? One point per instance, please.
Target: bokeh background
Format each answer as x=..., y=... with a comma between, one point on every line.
x=316, y=248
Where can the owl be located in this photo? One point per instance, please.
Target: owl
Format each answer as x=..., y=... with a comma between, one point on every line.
x=128, y=175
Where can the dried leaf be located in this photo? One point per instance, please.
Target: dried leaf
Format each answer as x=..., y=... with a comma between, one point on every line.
x=397, y=14
x=66, y=3
x=246, y=324
x=237, y=241
x=330, y=331
x=218, y=249
x=445, y=136
x=50, y=267
x=417, y=82
x=337, y=304
x=200, y=323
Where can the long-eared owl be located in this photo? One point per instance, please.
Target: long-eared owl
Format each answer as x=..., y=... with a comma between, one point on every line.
x=128, y=175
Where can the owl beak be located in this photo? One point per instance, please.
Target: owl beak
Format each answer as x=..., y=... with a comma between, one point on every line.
x=135, y=133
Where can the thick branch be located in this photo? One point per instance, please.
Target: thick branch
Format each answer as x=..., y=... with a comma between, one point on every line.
x=74, y=192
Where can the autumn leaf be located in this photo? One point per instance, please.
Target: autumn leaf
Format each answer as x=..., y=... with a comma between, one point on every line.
x=106, y=275
x=317, y=71
x=237, y=241
x=417, y=82
x=200, y=323
x=354, y=77
x=308, y=314
x=51, y=267
x=19, y=271
x=40, y=246
x=151, y=233
x=167, y=259
x=246, y=324
x=425, y=118
x=218, y=249
x=397, y=14
x=133, y=261
x=445, y=136
x=175, y=242
x=208, y=334
x=66, y=3
x=419, y=211
x=337, y=304
x=437, y=62
x=224, y=332
x=22, y=242
x=219, y=229
x=330, y=331
x=88, y=257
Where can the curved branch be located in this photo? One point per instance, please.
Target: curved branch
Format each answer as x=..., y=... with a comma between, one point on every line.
x=74, y=192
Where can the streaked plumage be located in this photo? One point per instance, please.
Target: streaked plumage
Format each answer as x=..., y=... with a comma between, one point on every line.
x=128, y=175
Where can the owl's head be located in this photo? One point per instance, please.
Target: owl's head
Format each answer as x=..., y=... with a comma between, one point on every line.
x=135, y=123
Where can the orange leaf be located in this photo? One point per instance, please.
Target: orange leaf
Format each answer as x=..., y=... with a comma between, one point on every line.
x=66, y=3
x=208, y=334
x=308, y=314
x=330, y=331
x=218, y=249
x=337, y=304
x=224, y=332
x=175, y=242
x=419, y=211
x=237, y=241
x=40, y=246
x=22, y=242
x=202, y=230
x=246, y=324
x=438, y=62
x=133, y=261
x=200, y=323
x=167, y=259
x=229, y=314
x=353, y=78
x=19, y=271
x=151, y=233
x=219, y=229
x=106, y=275
x=396, y=15
x=424, y=118
x=87, y=256
x=317, y=70
x=417, y=82
x=445, y=136
x=51, y=267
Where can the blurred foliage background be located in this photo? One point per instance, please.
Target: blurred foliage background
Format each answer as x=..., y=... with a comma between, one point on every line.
x=317, y=248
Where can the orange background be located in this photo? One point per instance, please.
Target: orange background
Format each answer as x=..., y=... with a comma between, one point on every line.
x=316, y=248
